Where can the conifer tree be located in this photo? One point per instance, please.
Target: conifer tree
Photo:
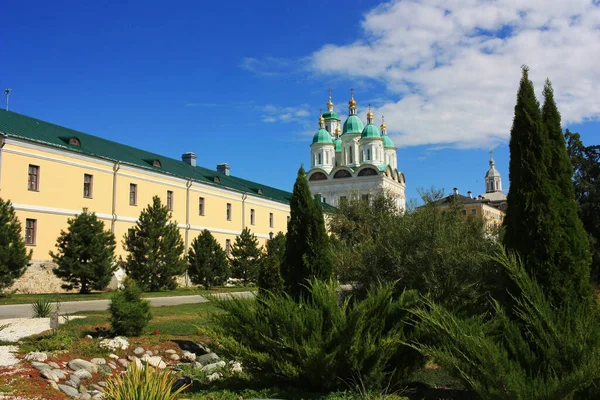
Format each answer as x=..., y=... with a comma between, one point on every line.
x=535, y=216
x=207, y=262
x=307, y=250
x=245, y=255
x=276, y=247
x=85, y=254
x=155, y=249
x=14, y=256
x=269, y=276
x=572, y=256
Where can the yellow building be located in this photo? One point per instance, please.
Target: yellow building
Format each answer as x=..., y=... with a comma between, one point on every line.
x=51, y=173
x=476, y=207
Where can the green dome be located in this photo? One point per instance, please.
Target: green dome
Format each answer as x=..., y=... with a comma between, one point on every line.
x=370, y=132
x=338, y=145
x=322, y=136
x=353, y=125
x=387, y=142
x=330, y=115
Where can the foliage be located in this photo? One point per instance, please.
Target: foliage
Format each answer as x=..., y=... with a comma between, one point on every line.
x=318, y=342
x=541, y=352
x=85, y=255
x=139, y=383
x=41, y=308
x=155, y=249
x=586, y=163
x=14, y=257
x=47, y=343
x=276, y=247
x=541, y=222
x=269, y=276
x=245, y=255
x=129, y=313
x=430, y=249
x=207, y=262
x=307, y=251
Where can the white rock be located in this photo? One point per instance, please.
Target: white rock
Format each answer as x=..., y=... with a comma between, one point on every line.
x=213, y=366
x=82, y=374
x=117, y=343
x=78, y=364
x=187, y=356
x=236, y=367
x=36, y=356
x=98, y=361
x=53, y=364
x=59, y=373
x=48, y=374
x=138, y=350
x=170, y=351
x=213, y=377
x=157, y=362
x=88, y=337
x=174, y=357
x=113, y=356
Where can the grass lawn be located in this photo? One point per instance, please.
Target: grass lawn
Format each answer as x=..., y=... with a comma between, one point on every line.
x=6, y=299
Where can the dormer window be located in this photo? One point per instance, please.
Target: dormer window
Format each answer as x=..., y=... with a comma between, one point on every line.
x=156, y=163
x=74, y=142
x=216, y=179
x=260, y=191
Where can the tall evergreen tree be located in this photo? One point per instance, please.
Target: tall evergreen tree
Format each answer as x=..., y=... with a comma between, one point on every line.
x=572, y=256
x=307, y=250
x=207, y=262
x=155, y=249
x=245, y=255
x=14, y=256
x=85, y=254
x=276, y=247
x=534, y=217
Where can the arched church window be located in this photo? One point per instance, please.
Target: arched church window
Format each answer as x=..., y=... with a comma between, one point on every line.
x=367, y=172
x=318, y=176
x=342, y=174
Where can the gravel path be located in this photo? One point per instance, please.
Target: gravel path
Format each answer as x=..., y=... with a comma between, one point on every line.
x=19, y=328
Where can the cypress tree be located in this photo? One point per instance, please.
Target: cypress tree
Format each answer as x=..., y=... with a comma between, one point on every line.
x=536, y=212
x=572, y=256
x=14, y=256
x=307, y=252
x=155, y=249
x=85, y=254
x=207, y=262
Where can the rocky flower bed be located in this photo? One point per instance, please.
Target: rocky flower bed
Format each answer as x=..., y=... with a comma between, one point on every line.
x=85, y=379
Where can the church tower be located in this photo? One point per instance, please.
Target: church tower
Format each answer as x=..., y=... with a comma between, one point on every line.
x=493, y=180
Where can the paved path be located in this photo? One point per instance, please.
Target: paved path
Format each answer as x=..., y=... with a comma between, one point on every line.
x=24, y=310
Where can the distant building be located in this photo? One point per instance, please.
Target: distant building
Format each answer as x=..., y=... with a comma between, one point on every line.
x=355, y=161
x=491, y=205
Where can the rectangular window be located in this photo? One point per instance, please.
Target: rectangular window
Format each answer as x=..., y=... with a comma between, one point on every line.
x=201, y=206
x=228, y=211
x=350, y=155
x=34, y=178
x=252, y=216
x=228, y=247
x=132, y=194
x=87, y=185
x=464, y=212
x=170, y=200
x=271, y=220
x=30, y=231
x=365, y=197
x=474, y=211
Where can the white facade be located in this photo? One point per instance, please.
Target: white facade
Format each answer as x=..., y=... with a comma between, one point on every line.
x=364, y=164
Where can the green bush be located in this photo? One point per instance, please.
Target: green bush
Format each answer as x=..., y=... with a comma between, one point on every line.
x=536, y=351
x=47, y=343
x=129, y=313
x=320, y=343
x=41, y=308
x=139, y=383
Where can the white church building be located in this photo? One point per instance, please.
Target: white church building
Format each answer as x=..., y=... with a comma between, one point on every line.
x=353, y=160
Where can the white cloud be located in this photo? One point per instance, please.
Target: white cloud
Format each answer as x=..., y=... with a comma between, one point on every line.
x=453, y=66
x=275, y=113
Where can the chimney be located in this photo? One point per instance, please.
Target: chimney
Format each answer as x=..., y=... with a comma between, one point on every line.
x=189, y=158
x=470, y=194
x=455, y=191
x=223, y=168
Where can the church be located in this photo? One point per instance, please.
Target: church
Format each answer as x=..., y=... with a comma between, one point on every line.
x=353, y=160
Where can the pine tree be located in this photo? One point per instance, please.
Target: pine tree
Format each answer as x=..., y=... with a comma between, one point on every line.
x=269, y=276
x=307, y=251
x=276, y=247
x=245, y=255
x=536, y=209
x=207, y=262
x=572, y=256
x=14, y=257
x=85, y=254
x=155, y=249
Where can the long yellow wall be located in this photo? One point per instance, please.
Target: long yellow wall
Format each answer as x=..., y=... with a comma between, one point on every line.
x=60, y=197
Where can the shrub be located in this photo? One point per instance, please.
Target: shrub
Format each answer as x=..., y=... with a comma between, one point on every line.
x=207, y=262
x=129, y=313
x=269, y=276
x=41, y=308
x=539, y=352
x=140, y=383
x=14, y=256
x=318, y=342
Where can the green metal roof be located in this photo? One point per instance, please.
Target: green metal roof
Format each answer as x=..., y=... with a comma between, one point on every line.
x=330, y=115
x=322, y=137
x=370, y=132
x=338, y=145
x=23, y=127
x=387, y=142
x=353, y=125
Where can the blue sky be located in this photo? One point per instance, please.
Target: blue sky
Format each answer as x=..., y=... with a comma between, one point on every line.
x=244, y=84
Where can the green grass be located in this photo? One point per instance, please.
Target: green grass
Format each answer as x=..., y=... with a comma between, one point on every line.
x=6, y=299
